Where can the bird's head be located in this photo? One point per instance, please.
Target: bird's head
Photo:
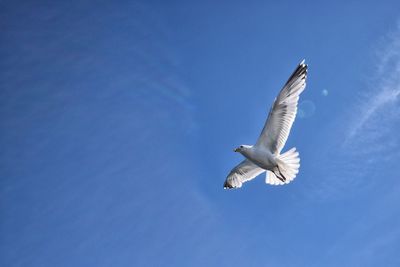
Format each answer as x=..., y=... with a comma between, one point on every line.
x=241, y=148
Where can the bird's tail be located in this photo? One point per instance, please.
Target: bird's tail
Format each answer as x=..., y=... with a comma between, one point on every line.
x=286, y=170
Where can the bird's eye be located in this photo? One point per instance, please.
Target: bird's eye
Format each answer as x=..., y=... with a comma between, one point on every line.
x=241, y=146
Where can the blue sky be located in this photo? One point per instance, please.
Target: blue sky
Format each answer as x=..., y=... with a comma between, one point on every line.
x=118, y=122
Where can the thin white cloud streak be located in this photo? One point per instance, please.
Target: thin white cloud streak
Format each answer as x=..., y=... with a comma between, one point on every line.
x=386, y=87
x=357, y=151
x=371, y=142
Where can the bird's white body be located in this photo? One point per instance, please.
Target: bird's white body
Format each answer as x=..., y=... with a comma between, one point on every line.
x=265, y=155
x=262, y=157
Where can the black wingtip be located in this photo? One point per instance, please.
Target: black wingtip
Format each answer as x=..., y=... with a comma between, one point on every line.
x=302, y=65
x=228, y=186
x=301, y=69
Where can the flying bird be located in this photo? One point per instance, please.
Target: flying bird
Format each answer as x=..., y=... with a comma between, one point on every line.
x=265, y=155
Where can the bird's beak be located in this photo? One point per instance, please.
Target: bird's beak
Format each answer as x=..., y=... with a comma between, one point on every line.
x=236, y=150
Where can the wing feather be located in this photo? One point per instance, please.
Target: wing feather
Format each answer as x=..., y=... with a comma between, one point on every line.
x=243, y=172
x=283, y=112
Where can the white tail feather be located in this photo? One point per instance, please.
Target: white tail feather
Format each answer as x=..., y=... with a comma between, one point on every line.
x=287, y=169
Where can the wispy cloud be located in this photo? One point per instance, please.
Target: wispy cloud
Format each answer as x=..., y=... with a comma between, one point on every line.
x=385, y=90
x=358, y=150
x=371, y=142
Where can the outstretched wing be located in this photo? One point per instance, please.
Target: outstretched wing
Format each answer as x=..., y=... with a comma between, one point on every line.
x=283, y=112
x=243, y=172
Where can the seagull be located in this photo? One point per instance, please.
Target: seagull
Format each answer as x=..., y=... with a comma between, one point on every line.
x=265, y=155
